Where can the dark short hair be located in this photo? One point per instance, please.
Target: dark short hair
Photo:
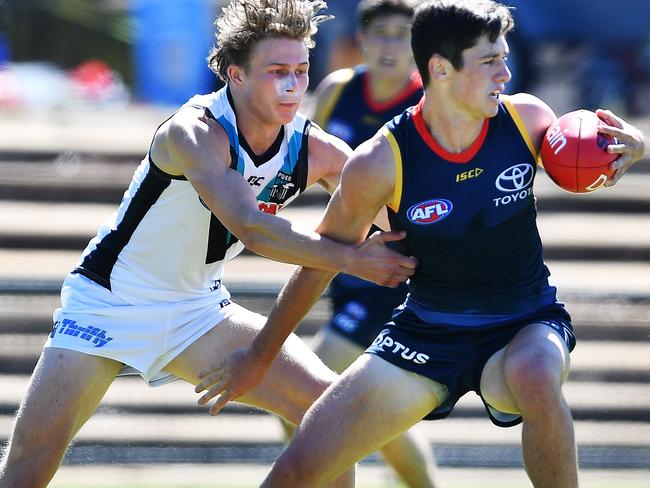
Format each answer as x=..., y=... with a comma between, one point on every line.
x=368, y=10
x=448, y=27
x=242, y=23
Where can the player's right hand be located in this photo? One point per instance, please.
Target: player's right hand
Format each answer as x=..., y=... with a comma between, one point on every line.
x=374, y=261
x=229, y=379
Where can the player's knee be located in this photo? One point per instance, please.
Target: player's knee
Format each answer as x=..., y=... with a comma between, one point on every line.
x=39, y=437
x=302, y=400
x=30, y=465
x=534, y=378
x=36, y=450
x=296, y=407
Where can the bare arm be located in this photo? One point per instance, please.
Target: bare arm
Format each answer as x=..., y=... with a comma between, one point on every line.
x=327, y=155
x=347, y=218
x=321, y=145
x=536, y=115
x=197, y=147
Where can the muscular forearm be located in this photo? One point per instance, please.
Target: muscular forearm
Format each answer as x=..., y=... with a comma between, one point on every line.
x=303, y=289
x=372, y=260
x=278, y=239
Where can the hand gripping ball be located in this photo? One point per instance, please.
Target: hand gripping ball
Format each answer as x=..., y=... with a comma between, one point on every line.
x=575, y=155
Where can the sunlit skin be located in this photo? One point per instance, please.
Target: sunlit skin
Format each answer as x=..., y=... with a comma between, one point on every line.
x=458, y=101
x=386, y=47
x=482, y=78
x=268, y=90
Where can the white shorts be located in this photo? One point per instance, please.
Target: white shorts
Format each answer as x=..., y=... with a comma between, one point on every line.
x=145, y=338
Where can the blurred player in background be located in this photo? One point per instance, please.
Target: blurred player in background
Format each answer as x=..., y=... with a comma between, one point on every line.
x=336, y=46
x=481, y=314
x=147, y=295
x=353, y=104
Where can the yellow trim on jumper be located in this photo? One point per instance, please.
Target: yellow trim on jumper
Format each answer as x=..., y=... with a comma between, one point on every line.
x=397, y=157
x=520, y=124
x=323, y=113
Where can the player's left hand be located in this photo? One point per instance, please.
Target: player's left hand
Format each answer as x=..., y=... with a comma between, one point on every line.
x=375, y=261
x=630, y=143
x=237, y=374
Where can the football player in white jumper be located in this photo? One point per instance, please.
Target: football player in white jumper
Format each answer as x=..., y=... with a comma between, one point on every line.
x=147, y=295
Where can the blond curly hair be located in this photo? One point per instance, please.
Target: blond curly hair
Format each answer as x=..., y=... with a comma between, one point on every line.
x=242, y=23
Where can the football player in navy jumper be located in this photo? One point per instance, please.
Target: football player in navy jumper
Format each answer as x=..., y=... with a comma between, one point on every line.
x=480, y=314
x=147, y=295
x=353, y=104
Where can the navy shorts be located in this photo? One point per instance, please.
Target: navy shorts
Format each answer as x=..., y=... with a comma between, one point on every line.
x=362, y=309
x=455, y=356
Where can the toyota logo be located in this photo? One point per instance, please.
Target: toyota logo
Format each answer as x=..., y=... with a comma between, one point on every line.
x=515, y=178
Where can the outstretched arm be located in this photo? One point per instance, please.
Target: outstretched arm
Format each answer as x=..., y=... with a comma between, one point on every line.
x=347, y=218
x=197, y=147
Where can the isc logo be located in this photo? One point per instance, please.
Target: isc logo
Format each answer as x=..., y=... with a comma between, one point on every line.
x=429, y=212
x=466, y=175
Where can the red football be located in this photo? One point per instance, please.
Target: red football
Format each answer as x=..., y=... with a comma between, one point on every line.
x=575, y=154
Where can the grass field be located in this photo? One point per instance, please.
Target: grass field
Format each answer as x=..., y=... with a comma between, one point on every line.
x=248, y=476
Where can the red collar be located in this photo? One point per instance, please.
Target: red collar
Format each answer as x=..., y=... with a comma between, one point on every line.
x=461, y=157
x=413, y=86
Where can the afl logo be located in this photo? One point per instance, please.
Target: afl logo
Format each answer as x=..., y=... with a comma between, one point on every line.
x=429, y=212
x=515, y=178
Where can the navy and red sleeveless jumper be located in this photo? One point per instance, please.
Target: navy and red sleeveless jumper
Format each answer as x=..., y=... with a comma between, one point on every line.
x=470, y=221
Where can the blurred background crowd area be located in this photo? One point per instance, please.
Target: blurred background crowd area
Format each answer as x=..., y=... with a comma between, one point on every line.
x=53, y=53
